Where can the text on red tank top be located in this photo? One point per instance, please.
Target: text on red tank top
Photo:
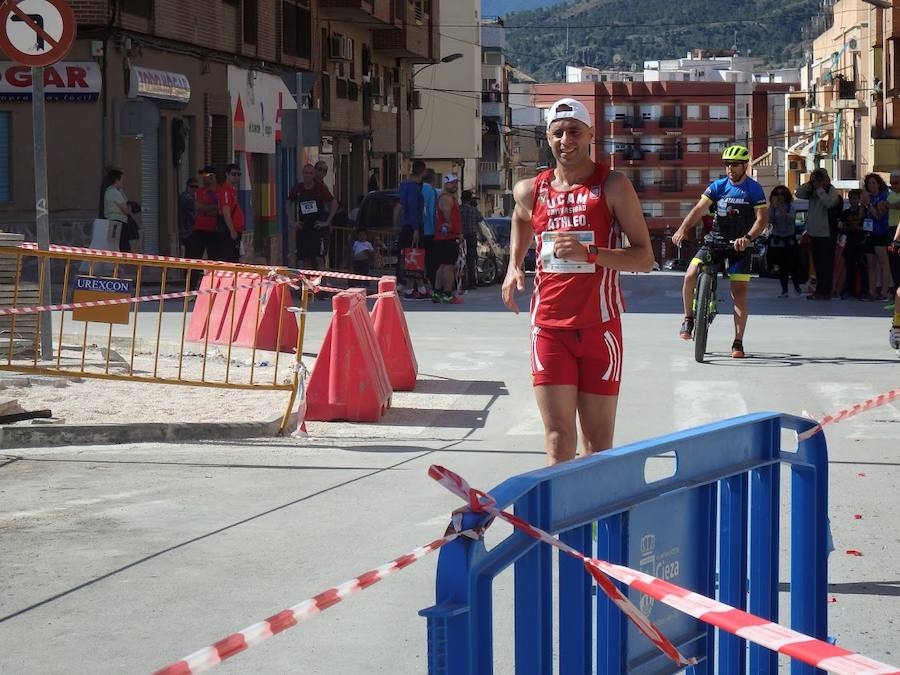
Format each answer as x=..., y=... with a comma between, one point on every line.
x=591, y=296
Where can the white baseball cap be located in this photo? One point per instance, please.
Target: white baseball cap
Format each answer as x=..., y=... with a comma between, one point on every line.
x=568, y=109
x=451, y=178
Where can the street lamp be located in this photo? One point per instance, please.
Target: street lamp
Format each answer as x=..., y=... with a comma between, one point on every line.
x=447, y=59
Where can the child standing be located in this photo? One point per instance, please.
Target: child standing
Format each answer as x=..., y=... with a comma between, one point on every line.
x=363, y=253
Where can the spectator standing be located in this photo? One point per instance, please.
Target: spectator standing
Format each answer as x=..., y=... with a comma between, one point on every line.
x=114, y=205
x=412, y=216
x=447, y=241
x=232, y=216
x=470, y=217
x=893, y=202
x=186, y=210
x=353, y=216
x=851, y=226
x=783, y=245
x=204, y=238
x=373, y=180
x=429, y=199
x=311, y=208
x=874, y=199
x=822, y=197
x=321, y=171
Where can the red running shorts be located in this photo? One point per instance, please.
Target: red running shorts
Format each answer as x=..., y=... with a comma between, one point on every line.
x=587, y=358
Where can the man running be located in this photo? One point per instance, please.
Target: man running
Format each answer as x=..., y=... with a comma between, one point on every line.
x=742, y=215
x=576, y=340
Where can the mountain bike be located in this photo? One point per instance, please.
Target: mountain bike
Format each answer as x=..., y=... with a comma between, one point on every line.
x=712, y=256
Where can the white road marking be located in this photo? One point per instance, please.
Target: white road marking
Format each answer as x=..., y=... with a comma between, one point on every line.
x=74, y=503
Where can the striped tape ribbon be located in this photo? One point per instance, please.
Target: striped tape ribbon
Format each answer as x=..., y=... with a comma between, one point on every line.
x=735, y=621
x=206, y=658
x=840, y=416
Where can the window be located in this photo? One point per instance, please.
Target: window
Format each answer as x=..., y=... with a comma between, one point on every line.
x=694, y=177
x=610, y=145
x=719, y=112
x=5, y=142
x=651, y=112
x=684, y=208
x=651, y=176
x=694, y=144
x=250, y=21
x=718, y=143
x=141, y=8
x=652, y=209
x=614, y=112
x=296, y=28
x=652, y=143
x=693, y=112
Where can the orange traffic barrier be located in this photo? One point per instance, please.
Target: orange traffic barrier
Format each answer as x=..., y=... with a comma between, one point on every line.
x=349, y=381
x=242, y=314
x=393, y=337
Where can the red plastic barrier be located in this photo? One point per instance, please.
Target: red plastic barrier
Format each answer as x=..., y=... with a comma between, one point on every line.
x=273, y=300
x=349, y=381
x=216, y=305
x=393, y=338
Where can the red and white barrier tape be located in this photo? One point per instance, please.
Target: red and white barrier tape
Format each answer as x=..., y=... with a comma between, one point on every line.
x=737, y=622
x=373, y=296
x=206, y=658
x=188, y=261
x=144, y=298
x=877, y=402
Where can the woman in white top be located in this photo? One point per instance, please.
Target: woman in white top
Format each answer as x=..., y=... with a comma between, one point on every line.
x=114, y=205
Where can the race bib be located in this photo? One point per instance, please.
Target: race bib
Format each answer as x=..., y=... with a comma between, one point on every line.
x=869, y=225
x=308, y=207
x=550, y=263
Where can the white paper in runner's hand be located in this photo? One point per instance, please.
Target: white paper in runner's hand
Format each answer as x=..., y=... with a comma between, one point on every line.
x=550, y=263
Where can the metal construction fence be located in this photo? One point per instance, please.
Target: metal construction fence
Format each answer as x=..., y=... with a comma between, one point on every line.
x=140, y=319
x=700, y=508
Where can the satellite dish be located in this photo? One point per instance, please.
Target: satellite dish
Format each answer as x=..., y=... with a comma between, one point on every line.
x=617, y=58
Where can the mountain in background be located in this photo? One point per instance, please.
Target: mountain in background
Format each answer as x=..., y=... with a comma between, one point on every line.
x=613, y=34
x=503, y=7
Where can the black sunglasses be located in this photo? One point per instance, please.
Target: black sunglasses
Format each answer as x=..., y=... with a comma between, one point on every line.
x=234, y=173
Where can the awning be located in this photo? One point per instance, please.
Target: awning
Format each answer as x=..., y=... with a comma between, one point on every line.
x=159, y=84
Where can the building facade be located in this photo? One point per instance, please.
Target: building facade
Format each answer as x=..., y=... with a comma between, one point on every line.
x=495, y=170
x=160, y=89
x=448, y=118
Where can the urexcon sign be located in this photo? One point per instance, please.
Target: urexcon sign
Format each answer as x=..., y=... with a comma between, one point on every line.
x=91, y=289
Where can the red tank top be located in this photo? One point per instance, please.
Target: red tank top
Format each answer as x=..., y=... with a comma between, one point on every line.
x=444, y=230
x=581, y=299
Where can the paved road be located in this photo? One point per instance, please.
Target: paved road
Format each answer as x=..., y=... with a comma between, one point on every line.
x=121, y=559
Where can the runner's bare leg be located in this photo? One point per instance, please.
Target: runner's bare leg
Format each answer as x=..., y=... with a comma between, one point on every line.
x=739, y=297
x=687, y=289
x=597, y=418
x=557, y=404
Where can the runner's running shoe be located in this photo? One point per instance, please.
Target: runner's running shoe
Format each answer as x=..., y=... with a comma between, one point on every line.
x=456, y=300
x=687, y=329
x=737, y=349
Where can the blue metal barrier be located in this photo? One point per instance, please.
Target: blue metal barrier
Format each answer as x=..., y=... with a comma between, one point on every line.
x=713, y=525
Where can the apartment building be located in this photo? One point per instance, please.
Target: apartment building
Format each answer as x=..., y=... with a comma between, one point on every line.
x=495, y=174
x=160, y=88
x=448, y=115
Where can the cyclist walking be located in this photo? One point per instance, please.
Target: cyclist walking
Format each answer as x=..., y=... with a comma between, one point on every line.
x=741, y=215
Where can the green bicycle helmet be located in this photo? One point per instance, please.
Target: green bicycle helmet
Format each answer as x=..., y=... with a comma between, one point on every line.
x=736, y=153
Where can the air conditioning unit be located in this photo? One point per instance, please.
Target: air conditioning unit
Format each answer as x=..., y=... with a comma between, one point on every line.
x=340, y=48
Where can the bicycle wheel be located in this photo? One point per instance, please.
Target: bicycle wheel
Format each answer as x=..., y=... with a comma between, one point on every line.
x=702, y=316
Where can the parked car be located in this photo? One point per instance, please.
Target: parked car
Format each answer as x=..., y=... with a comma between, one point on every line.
x=502, y=226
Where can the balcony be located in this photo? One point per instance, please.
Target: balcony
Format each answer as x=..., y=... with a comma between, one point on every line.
x=671, y=154
x=633, y=154
x=633, y=122
x=490, y=177
x=493, y=110
x=415, y=40
x=670, y=122
x=356, y=10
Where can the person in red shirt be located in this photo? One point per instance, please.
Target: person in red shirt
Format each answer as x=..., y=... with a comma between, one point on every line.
x=447, y=236
x=204, y=238
x=576, y=340
x=232, y=216
x=311, y=208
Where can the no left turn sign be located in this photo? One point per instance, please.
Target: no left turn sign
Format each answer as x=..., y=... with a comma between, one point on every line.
x=36, y=32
